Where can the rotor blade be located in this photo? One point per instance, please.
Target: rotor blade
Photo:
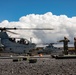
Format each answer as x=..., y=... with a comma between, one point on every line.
x=12, y=32
x=2, y=29
x=46, y=43
x=35, y=28
x=7, y=28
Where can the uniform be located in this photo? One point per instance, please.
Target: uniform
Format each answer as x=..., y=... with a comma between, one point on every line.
x=75, y=44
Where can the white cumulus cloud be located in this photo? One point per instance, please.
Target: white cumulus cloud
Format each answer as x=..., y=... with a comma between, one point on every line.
x=63, y=26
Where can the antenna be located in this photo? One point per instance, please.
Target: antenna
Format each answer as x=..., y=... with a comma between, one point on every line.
x=31, y=39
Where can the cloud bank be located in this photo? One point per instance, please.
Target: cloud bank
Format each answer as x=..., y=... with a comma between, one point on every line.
x=63, y=26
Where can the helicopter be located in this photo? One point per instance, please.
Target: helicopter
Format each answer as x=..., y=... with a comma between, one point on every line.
x=50, y=49
x=10, y=45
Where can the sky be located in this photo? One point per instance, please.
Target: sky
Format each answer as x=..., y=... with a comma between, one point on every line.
x=12, y=10
x=57, y=14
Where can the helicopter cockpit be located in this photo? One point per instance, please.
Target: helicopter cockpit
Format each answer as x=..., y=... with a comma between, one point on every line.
x=19, y=40
x=23, y=41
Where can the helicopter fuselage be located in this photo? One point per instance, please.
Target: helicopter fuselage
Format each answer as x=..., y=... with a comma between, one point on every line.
x=50, y=49
x=13, y=46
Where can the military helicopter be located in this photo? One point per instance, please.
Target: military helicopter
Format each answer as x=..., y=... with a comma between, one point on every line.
x=50, y=49
x=9, y=45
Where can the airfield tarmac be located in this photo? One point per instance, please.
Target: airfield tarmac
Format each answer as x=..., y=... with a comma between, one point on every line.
x=43, y=66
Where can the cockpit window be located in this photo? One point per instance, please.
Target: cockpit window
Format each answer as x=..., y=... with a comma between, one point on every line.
x=12, y=39
x=23, y=41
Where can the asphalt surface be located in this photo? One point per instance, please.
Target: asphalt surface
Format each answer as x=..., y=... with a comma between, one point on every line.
x=43, y=66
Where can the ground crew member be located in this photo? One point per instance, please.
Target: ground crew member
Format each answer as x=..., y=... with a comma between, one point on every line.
x=65, y=43
x=75, y=44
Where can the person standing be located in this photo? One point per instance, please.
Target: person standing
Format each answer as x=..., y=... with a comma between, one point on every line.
x=75, y=44
x=65, y=44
